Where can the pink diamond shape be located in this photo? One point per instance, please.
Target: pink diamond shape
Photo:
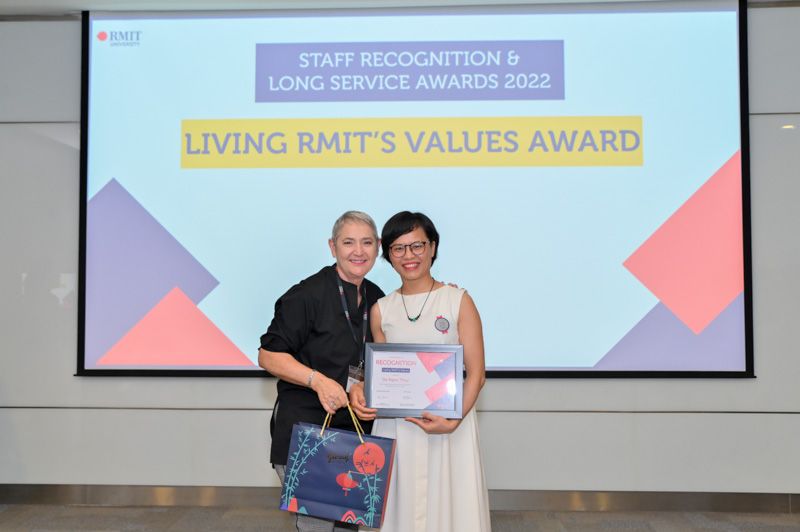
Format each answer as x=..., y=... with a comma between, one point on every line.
x=693, y=263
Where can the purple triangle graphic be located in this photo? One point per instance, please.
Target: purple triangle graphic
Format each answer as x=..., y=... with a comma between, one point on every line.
x=661, y=342
x=445, y=402
x=445, y=367
x=132, y=262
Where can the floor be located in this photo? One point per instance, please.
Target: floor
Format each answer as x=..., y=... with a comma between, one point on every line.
x=46, y=518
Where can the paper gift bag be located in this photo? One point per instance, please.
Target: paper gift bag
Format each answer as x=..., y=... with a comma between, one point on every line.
x=338, y=474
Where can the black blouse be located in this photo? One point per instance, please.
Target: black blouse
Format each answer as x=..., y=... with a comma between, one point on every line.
x=310, y=324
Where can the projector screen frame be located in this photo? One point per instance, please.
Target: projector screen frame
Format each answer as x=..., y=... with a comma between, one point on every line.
x=492, y=373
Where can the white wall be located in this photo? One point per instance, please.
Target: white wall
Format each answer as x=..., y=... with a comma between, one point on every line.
x=576, y=434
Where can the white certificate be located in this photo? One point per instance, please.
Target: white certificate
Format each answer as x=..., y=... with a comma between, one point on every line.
x=408, y=379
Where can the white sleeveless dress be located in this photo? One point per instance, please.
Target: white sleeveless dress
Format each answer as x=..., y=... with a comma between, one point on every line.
x=437, y=482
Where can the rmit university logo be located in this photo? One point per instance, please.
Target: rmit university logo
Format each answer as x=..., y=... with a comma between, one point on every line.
x=120, y=38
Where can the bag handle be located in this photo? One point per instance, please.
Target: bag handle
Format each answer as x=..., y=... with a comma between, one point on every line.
x=328, y=418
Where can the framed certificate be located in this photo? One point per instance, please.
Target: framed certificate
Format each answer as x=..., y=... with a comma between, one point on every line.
x=404, y=380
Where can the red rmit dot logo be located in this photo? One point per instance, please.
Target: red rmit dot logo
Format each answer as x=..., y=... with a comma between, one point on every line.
x=102, y=36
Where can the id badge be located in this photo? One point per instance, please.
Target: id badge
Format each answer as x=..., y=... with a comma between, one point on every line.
x=354, y=375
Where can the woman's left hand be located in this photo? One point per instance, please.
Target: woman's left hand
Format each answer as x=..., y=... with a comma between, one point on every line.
x=359, y=403
x=433, y=424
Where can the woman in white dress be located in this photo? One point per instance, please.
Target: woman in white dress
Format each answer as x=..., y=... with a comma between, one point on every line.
x=437, y=483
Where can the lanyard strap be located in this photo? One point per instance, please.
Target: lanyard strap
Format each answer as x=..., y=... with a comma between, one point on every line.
x=347, y=315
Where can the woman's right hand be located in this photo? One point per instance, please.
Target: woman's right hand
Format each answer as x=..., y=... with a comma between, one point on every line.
x=359, y=403
x=331, y=395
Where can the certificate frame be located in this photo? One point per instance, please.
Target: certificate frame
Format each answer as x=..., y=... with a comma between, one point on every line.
x=449, y=368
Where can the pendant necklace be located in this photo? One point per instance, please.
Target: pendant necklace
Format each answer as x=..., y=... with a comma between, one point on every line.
x=415, y=318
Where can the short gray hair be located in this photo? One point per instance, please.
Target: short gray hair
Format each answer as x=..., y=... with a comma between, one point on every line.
x=353, y=216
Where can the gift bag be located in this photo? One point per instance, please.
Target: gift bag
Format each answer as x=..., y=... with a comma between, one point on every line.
x=338, y=474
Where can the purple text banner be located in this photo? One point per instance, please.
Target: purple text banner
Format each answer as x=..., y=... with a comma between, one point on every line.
x=410, y=71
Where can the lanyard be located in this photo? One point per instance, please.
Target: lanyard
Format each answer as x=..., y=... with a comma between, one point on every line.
x=347, y=315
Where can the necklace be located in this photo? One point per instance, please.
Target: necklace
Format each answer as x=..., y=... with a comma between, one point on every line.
x=415, y=318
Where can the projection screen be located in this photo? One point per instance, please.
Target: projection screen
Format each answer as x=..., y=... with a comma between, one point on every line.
x=586, y=166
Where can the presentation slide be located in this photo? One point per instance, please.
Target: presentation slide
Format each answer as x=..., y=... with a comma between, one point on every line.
x=582, y=163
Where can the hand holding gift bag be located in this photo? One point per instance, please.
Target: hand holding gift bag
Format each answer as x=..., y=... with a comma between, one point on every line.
x=338, y=474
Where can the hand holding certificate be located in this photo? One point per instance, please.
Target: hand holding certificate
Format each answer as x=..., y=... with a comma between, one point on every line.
x=405, y=380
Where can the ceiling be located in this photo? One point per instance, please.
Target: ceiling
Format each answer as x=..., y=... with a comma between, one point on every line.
x=43, y=9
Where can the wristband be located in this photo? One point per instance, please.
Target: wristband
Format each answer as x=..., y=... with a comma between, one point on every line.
x=310, y=378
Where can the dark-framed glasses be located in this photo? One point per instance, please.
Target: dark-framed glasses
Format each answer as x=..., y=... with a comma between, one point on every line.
x=417, y=248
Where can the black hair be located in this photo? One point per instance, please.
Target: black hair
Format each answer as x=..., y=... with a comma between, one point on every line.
x=404, y=222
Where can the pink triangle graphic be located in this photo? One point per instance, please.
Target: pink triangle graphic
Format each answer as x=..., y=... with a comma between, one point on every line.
x=175, y=333
x=431, y=360
x=438, y=390
x=693, y=263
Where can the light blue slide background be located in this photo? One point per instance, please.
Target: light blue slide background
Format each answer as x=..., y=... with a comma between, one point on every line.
x=539, y=249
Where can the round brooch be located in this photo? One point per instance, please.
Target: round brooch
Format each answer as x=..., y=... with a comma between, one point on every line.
x=441, y=324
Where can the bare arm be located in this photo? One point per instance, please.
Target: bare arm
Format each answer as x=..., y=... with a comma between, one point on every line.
x=470, y=332
x=284, y=366
x=375, y=322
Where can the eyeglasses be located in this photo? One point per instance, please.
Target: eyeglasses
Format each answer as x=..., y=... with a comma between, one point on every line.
x=417, y=248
